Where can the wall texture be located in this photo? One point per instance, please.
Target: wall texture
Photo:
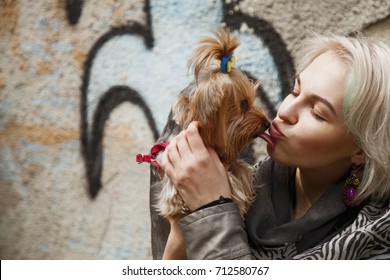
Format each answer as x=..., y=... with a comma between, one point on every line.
x=86, y=85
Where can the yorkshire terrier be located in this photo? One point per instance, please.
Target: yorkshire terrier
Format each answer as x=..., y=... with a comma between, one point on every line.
x=221, y=98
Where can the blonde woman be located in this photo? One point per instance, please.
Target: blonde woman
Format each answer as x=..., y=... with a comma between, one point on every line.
x=324, y=191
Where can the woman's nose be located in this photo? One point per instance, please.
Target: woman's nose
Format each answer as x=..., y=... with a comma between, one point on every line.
x=288, y=111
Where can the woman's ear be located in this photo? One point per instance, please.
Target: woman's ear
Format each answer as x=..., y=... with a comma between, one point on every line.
x=358, y=157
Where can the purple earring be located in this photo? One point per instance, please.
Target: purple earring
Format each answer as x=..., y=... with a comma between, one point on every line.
x=351, y=186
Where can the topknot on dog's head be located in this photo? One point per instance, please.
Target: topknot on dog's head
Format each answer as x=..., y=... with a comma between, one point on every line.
x=207, y=57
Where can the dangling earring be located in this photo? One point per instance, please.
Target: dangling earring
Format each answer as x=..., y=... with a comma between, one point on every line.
x=351, y=186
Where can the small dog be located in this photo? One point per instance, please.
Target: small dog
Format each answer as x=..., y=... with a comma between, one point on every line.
x=221, y=99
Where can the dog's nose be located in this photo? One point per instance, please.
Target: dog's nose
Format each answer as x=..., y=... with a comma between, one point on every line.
x=266, y=124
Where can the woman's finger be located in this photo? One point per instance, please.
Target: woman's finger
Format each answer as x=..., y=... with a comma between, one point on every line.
x=173, y=154
x=183, y=147
x=164, y=161
x=195, y=142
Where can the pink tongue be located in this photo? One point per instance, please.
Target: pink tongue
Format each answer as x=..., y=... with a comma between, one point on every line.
x=267, y=138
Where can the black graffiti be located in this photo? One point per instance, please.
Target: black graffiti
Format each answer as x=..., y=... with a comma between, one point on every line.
x=92, y=133
x=91, y=142
x=111, y=99
x=73, y=10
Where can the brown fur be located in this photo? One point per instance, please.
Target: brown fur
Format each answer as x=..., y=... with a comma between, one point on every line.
x=223, y=104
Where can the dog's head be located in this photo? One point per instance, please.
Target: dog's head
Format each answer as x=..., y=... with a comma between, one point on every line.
x=221, y=100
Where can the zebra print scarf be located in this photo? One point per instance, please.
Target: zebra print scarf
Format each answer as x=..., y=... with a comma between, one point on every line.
x=329, y=230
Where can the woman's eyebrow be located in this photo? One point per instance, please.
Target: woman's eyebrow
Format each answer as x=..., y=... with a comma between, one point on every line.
x=325, y=102
x=317, y=97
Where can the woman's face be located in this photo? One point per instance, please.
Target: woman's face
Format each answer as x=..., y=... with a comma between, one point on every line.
x=309, y=130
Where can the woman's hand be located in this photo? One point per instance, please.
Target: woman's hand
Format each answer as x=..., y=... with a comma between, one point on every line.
x=194, y=169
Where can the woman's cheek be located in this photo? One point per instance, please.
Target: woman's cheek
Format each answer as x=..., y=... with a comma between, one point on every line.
x=311, y=139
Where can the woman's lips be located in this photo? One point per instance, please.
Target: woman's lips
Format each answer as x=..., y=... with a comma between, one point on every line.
x=274, y=133
x=274, y=130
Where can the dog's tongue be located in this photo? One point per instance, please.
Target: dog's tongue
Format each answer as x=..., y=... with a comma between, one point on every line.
x=267, y=138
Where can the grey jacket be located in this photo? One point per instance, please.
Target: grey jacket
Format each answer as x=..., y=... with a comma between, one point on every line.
x=329, y=230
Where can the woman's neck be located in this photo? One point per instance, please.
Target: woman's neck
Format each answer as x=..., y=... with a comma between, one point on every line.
x=311, y=184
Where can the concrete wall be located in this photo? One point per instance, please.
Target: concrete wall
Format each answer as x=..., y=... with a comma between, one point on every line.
x=86, y=85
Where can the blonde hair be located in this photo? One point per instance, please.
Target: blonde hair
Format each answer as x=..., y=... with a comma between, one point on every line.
x=366, y=107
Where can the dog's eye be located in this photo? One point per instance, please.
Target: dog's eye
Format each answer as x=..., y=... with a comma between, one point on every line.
x=245, y=104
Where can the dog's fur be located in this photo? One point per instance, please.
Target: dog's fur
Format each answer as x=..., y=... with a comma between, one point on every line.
x=223, y=104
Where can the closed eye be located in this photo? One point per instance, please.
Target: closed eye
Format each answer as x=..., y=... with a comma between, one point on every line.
x=315, y=115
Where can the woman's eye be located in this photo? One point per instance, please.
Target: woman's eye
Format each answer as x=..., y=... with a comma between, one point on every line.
x=316, y=116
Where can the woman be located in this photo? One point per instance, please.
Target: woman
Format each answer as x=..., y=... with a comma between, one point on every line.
x=324, y=192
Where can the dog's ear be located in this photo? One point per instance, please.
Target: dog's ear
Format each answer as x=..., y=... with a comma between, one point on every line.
x=209, y=107
x=180, y=111
x=206, y=101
